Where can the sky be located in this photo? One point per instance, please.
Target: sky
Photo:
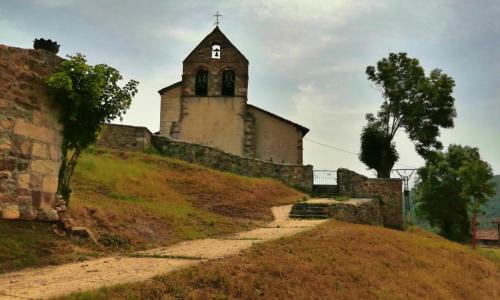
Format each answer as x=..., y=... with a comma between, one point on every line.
x=307, y=58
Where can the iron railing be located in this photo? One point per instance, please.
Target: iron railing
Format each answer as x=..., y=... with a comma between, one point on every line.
x=325, y=177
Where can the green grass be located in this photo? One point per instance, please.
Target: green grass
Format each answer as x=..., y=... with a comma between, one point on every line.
x=491, y=253
x=133, y=201
x=30, y=244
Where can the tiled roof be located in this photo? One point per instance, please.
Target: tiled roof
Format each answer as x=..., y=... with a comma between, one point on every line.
x=491, y=235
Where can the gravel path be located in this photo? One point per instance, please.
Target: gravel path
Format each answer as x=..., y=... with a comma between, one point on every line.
x=64, y=279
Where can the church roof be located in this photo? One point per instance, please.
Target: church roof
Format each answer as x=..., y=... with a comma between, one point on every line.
x=303, y=129
x=216, y=35
x=178, y=83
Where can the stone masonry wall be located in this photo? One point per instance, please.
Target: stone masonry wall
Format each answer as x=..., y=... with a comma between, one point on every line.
x=30, y=138
x=293, y=175
x=388, y=191
x=124, y=137
x=133, y=138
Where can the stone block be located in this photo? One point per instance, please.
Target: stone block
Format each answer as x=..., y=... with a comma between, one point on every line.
x=7, y=164
x=28, y=213
x=48, y=167
x=10, y=212
x=43, y=134
x=6, y=124
x=36, y=181
x=49, y=184
x=40, y=150
x=23, y=180
x=55, y=152
x=21, y=147
x=48, y=214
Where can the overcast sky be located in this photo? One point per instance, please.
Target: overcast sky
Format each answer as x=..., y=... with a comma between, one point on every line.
x=307, y=58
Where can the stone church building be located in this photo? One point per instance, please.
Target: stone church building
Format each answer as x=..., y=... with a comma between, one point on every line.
x=209, y=106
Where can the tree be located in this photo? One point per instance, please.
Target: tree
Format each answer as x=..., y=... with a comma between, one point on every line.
x=417, y=103
x=88, y=96
x=451, y=188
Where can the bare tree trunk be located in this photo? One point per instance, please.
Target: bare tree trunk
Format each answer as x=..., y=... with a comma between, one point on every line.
x=474, y=225
x=66, y=172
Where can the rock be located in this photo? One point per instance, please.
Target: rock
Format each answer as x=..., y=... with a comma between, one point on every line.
x=58, y=231
x=84, y=232
x=11, y=212
x=48, y=214
x=29, y=213
x=60, y=200
x=61, y=207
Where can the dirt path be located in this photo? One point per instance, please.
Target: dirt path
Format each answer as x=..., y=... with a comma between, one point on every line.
x=64, y=279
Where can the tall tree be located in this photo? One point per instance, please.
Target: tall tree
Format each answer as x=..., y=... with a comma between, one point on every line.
x=417, y=103
x=88, y=96
x=451, y=188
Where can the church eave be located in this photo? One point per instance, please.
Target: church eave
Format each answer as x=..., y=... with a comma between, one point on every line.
x=163, y=90
x=303, y=129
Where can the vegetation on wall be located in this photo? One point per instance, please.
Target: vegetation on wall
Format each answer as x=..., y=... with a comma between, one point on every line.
x=88, y=96
x=452, y=187
x=48, y=45
x=417, y=103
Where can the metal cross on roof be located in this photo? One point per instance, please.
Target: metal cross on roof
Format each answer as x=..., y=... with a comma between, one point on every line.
x=217, y=15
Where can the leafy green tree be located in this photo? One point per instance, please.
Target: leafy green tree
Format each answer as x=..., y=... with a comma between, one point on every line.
x=417, y=103
x=88, y=96
x=451, y=188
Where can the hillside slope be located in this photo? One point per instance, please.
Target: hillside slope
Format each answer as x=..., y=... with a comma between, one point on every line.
x=135, y=201
x=335, y=261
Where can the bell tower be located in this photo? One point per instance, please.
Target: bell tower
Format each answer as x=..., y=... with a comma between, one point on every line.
x=217, y=66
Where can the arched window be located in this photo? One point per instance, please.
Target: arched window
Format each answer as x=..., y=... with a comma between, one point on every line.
x=201, y=85
x=228, y=83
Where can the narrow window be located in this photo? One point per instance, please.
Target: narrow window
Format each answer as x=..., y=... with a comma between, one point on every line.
x=228, y=83
x=201, y=83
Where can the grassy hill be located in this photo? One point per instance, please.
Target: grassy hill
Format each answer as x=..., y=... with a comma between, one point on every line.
x=335, y=261
x=135, y=201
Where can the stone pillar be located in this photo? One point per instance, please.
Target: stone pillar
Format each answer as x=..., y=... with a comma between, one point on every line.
x=30, y=135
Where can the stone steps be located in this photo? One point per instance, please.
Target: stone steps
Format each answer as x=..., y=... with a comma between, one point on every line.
x=309, y=211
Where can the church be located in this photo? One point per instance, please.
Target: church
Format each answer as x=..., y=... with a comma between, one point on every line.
x=209, y=106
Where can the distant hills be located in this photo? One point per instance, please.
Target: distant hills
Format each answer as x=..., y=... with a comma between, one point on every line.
x=491, y=208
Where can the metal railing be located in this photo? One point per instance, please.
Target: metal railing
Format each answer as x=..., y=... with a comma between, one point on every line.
x=324, y=177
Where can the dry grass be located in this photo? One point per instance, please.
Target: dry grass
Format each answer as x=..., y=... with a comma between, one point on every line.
x=149, y=200
x=336, y=261
x=136, y=201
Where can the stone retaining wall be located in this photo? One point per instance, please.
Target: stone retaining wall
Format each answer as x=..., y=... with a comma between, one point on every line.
x=388, y=191
x=360, y=211
x=30, y=135
x=297, y=176
x=124, y=137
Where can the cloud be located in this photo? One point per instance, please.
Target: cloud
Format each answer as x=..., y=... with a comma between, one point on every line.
x=307, y=58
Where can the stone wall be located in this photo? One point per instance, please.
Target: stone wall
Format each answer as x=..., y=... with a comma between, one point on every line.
x=124, y=137
x=360, y=211
x=388, y=191
x=298, y=176
x=30, y=138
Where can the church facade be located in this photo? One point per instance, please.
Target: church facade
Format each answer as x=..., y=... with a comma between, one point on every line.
x=209, y=106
